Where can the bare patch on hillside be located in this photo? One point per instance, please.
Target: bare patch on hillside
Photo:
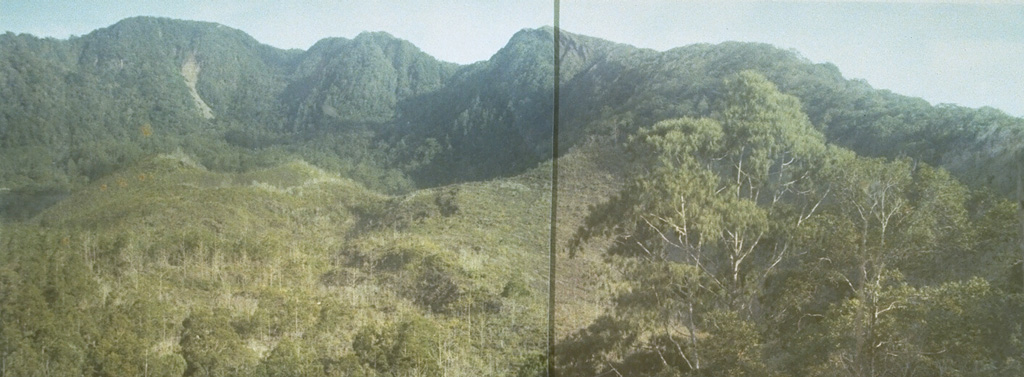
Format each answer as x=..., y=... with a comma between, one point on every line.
x=190, y=71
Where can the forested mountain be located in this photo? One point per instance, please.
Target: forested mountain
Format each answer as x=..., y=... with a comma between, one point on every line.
x=379, y=109
x=179, y=199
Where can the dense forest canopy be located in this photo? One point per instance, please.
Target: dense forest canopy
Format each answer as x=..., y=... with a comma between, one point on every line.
x=180, y=199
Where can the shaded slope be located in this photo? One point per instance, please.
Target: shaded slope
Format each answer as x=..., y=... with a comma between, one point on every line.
x=362, y=80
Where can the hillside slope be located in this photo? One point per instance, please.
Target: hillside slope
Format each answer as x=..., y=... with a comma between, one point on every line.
x=282, y=269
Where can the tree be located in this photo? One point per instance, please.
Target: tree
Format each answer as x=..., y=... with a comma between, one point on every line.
x=291, y=358
x=716, y=195
x=888, y=228
x=954, y=329
x=408, y=348
x=211, y=347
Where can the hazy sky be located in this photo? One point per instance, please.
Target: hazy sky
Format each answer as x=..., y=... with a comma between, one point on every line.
x=968, y=54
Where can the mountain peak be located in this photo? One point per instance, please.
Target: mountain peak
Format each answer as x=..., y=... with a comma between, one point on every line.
x=532, y=35
x=163, y=28
x=376, y=36
x=380, y=39
x=144, y=23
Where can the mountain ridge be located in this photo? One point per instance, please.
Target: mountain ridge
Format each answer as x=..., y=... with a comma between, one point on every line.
x=428, y=121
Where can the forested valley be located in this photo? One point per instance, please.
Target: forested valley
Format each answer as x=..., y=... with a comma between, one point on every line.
x=178, y=199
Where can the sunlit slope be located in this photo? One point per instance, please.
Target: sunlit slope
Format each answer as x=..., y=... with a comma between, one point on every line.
x=167, y=268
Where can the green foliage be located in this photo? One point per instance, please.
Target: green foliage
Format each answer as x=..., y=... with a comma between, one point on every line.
x=435, y=287
x=956, y=328
x=211, y=347
x=750, y=247
x=167, y=268
x=125, y=344
x=290, y=358
x=406, y=348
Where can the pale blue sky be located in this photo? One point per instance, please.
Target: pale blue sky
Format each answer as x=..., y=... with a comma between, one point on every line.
x=972, y=55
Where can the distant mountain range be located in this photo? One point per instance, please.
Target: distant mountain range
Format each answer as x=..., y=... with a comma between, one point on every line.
x=378, y=109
